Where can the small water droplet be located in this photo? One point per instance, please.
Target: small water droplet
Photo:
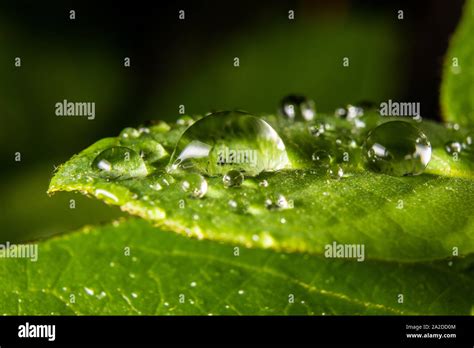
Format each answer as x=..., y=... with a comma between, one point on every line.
x=229, y=140
x=156, y=186
x=317, y=129
x=150, y=150
x=134, y=294
x=297, y=108
x=452, y=147
x=106, y=195
x=453, y=126
x=89, y=291
x=101, y=295
x=143, y=130
x=129, y=133
x=233, y=204
x=283, y=220
x=241, y=292
x=397, y=148
x=195, y=185
x=354, y=112
x=185, y=121
x=340, y=112
x=278, y=203
x=233, y=178
x=193, y=284
x=468, y=141
x=263, y=183
x=335, y=172
x=321, y=158
x=119, y=162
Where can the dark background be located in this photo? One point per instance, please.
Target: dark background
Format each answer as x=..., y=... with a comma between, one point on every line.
x=190, y=62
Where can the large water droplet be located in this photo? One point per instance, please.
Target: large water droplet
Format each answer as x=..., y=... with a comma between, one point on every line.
x=119, y=162
x=229, y=140
x=195, y=185
x=297, y=108
x=397, y=148
x=233, y=178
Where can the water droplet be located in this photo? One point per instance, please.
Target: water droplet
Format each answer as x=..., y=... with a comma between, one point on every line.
x=101, y=295
x=241, y=292
x=150, y=149
x=297, y=108
x=233, y=178
x=335, y=172
x=193, y=284
x=468, y=141
x=134, y=294
x=119, y=162
x=340, y=112
x=453, y=147
x=165, y=179
x=106, y=195
x=321, y=158
x=88, y=291
x=185, y=121
x=129, y=133
x=156, y=186
x=278, y=203
x=397, y=148
x=354, y=112
x=317, y=129
x=195, y=185
x=229, y=140
x=233, y=204
x=453, y=126
x=283, y=220
x=263, y=183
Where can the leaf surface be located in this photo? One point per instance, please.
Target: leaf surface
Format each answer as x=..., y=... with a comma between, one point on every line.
x=90, y=272
x=396, y=218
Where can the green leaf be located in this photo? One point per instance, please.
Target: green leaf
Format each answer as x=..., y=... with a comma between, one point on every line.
x=457, y=88
x=402, y=219
x=90, y=272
